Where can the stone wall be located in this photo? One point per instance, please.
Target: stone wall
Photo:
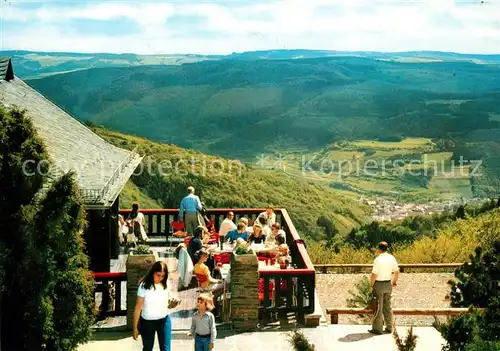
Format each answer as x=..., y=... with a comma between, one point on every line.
x=244, y=291
x=137, y=267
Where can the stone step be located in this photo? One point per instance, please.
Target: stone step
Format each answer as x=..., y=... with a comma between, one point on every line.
x=317, y=317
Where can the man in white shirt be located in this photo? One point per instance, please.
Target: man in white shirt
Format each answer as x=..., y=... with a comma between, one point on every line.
x=269, y=216
x=384, y=276
x=226, y=226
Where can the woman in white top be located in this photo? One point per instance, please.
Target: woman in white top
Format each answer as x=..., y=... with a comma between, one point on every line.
x=136, y=221
x=151, y=315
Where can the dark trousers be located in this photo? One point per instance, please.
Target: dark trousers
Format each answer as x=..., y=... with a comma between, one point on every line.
x=161, y=327
x=201, y=343
x=383, y=291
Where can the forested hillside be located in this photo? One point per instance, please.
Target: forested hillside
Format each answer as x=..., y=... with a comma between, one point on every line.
x=240, y=108
x=167, y=171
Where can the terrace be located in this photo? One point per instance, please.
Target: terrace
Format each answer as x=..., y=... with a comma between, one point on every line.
x=297, y=304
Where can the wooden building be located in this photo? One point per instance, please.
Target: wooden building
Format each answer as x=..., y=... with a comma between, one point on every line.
x=102, y=169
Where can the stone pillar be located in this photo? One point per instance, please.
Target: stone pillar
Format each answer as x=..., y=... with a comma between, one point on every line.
x=137, y=267
x=244, y=291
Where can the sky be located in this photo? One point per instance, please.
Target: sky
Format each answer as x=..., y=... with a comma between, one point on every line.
x=216, y=27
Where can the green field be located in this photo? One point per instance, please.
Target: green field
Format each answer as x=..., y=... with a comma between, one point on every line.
x=495, y=117
x=426, y=174
x=408, y=143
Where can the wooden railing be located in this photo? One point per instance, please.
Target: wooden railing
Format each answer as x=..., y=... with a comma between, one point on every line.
x=159, y=221
x=299, y=297
x=335, y=312
x=324, y=268
x=109, y=284
x=294, y=288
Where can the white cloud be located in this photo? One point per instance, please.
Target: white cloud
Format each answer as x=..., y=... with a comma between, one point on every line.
x=315, y=24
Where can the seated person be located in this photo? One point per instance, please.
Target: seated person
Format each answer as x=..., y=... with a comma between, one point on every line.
x=210, y=261
x=265, y=228
x=239, y=232
x=202, y=272
x=275, y=231
x=244, y=220
x=196, y=243
x=284, y=262
x=282, y=249
x=257, y=236
x=184, y=266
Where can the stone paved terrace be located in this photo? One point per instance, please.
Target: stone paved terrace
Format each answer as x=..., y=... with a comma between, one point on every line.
x=326, y=337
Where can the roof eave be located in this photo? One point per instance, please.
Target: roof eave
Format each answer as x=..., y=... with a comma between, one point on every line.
x=118, y=186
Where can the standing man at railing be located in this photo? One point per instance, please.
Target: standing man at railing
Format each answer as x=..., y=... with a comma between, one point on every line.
x=189, y=211
x=269, y=216
x=384, y=276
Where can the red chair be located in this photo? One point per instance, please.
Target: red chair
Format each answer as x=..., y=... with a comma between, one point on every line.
x=284, y=287
x=201, y=278
x=223, y=257
x=177, y=226
x=187, y=240
x=178, y=233
x=261, y=289
x=214, y=239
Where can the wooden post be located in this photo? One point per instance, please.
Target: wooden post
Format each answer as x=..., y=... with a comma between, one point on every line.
x=97, y=241
x=334, y=318
x=113, y=229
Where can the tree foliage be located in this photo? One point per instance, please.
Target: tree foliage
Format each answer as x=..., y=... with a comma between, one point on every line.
x=316, y=210
x=478, y=286
x=478, y=280
x=47, y=302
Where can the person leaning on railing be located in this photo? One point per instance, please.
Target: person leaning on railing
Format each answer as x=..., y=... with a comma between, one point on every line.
x=269, y=215
x=189, y=211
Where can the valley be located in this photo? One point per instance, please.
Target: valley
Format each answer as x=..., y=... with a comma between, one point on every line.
x=407, y=127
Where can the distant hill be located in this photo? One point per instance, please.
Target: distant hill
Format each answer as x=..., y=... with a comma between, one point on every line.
x=240, y=108
x=405, y=56
x=30, y=64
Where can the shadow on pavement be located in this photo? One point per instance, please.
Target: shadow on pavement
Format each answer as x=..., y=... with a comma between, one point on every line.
x=356, y=337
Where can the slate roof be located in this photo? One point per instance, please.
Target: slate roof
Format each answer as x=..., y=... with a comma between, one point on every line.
x=102, y=169
x=6, y=71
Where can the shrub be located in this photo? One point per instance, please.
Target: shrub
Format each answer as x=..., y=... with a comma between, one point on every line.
x=478, y=280
x=459, y=331
x=361, y=297
x=407, y=344
x=300, y=342
x=483, y=345
x=478, y=285
x=143, y=250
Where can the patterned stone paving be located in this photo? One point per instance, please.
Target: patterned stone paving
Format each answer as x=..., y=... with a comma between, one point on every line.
x=325, y=338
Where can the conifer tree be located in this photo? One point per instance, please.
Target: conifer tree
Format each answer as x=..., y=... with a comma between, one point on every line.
x=47, y=301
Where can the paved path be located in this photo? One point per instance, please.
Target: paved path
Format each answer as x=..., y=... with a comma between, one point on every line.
x=327, y=337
